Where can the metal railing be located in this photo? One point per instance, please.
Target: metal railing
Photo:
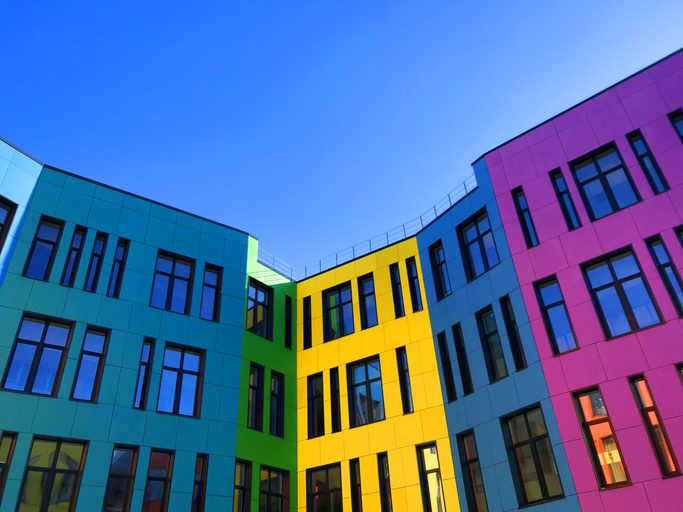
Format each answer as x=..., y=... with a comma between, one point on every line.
x=389, y=237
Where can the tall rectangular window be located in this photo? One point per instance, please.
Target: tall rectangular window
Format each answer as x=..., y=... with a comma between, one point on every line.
x=448, y=378
x=366, y=402
x=531, y=457
x=655, y=427
x=430, y=478
x=92, y=276
x=676, y=119
x=53, y=475
x=255, y=397
x=471, y=472
x=571, y=216
x=337, y=311
x=90, y=366
x=622, y=298
x=368, y=303
x=604, y=182
x=323, y=489
x=117, y=268
x=260, y=309
x=463, y=364
x=241, y=496
x=144, y=373
x=513, y=333
x=404, y=380
x=201, y=470
x=158, y=482
x=181, y=381
x=306, y=313
x=273, y=490
x=43, y=249
x=524, y=215
x=73, y=257
x=384, y=482
x=602, y=445
x=288, y=321
x=396, y=290
x=7, y=209
x=210, y=308
x=555, y=316
x=356, y=490
x=414, y=284
x=38, y=356
x=335, y=400
x=490, y=342
x=648, y=163
x=172, y=283
x=7, y=442
x=478, y=245
x=667, y=271
x=316, y=406
x=121, y=478
x=442, y=282
x=277, y=404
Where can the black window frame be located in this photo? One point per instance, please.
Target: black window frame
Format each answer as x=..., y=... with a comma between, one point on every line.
x=242, y=489
x=315, y=405
x=677, y=117
x=6, y=463
x=101, y=359
x=474, y=221
x=216, y=287
x=118, y=267
x=442, y=281
x=128, y=477
x=653, y=173
x=201, y=472
x=385, y=500
x=526, y=222
x=564, y=198
x=11, y=208
x=363, y=297
x=338, y=291
x=356, y=489
x=92, y=275
x=404, y=380
x=289, y=315
x=424, y=475
x=277, y=404
x=144, y=374
x=335, y=400
x=307, y=325
x=397, y=290
x=311, y=494
x=463, y=362
x=547, y=321
x=512, y=329
x=667, y=271
x=414, y=284
x=447, y=367
x=73, y=257
x=172, y=278
x=269, y=493
x=486, y=345
x=59, y=224
x=255, y=396
x=180, y=372
x=470, y=464
x=355, y=420
x=154, y=478
x=267, y=306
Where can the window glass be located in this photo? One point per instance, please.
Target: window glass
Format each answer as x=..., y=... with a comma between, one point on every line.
x=155, y=498
x=384, y=482
x=414, y=284
x=180, y=381
x=92, y=276
x=43, y=249
x=89, y=371
x=571, y=216
x=667, y=271
x=337, y=312
x=478, y=245
x=211, y=293
x=396, y=290
x=471, y=471
x=273, y=490
x=525, y=220
x=555, y=316
x=172, y=283
x=366, y=401
x=241, y=500
x=493, y=349
x=255, y=397
x=677, y=122
x=323, y=489
x=446, y=366
x=404, y=380
x=442, y=283
x=430, y=479
x=277, y=404
x=368, y=304
x=316, y=411
x=119, y=488
x=513, y=333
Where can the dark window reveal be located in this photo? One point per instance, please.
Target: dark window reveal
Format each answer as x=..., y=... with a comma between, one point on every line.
x=396, y=290
x=446, y=366
x=73, y=257
x=277, y=404
x=201, y=469
x=144, y=373
x=335, y=400
x=513, y=333
x=7, y=442
x=308, y=337
x=384, y=482
x=571, y=216
x=490, y=342
x=356, y=490
x=437, y=258
x=43, y=250
x=7, y=209
x=525, y=220
x=92, y=277
x=117, y=268
x=404, y=380
x=210, y=308
x=368, y=303
x=463, y=364
x=289, y=314
x=677, y=122
x=648, y=163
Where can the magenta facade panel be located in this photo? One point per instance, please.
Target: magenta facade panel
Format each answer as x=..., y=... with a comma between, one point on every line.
x=617, y=160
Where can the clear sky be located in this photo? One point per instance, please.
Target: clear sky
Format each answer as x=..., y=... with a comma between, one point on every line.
x=312, y=125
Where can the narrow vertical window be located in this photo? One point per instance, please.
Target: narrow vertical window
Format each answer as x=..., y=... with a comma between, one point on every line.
x=43, y=249
x=7, y=209
x=490, y=342
x=555, y=316
x=655, y=427
x=334, y=399
x=356, y=490
x=316, y=406
x=241, y=496
x=597, y=429
x=676, y=119
x=384, y=482
x=396, y=290
x=181, y=381
x=308, y=337
x=144, y=372
x=73, y=257
x=571, y=217
x=368, y=303
x=158, y=482
x=414, y=284
x=324, y=489
x=260, y=309
x=210, y=307
x=471, y=472
x=667, y=271
x=430, y=478
x=117, y=268
x=277, y=404
x=337, y=312
x=478, y=245
x=513, y=333
x=446, y=366
x=255, y=397
x=366, y=400
x=463, y=364
x=172, y=285
x=90, y=366
x=648, y=163
x=437, y=258
x=92, y=276
x=273, y=490
x=7, y=442
x=201, y=469
x=288, y=321
x=404, y=380
x=679, y=369
x=121, y=478
x=524, y=215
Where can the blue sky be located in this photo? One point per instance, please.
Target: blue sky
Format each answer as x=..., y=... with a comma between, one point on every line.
x=312, y=125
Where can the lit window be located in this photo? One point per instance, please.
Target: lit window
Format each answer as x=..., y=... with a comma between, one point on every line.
x=338, y=311
x=260, y=309
x=172, y=283
x=241, y=497
x=478, y=246
x=90, y=366
x=7, y=441
x=43, y=249
x=323, y=489
x=555, y=316
x=181, y=381
x=92, y=276
x=430, y=479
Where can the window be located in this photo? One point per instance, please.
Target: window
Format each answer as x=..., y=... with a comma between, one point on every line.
x=181, y=381
x=119, y=490
x=158, y=481
x=668, y=272
x=555, y=316
x=288, y=321
x=90, y=366
x=679, y=369
x=334, y=399
x=602, y=445
x=255, y=398
x=144, y=372
x=524, y=215
x=396, y=290
x=7, y=209
x=463, y=364
x=679, y=234
x=323, y=489
x=437, y=258
x=73, y=258
x=53, y=476
x=7, y=442
x=513, y=333
x=414, y=284
x=478, y=246
x=448, y=379
x=117, y=268
x=172, y=283
x=404, y=380
x=274, y=490
x=241, y=497
x=531, y=457
x=366, y=403
x=571, y=216
x=430, y=479
x=490, y=342
x=356, y=490
x=677, y=121
x=38, y=356
x=92, y=277
x=260, y=309
x=308, y=338
x=368, y=304
x=471, y=472
x=277, y=404
x=604, y=182
x=655, y=427
x=648, y=163
x=211, y=293
x=43, y=250
x=622, y=298
x=338, y=311
x=201, y=469
x=316, y=406
x=384, y=482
